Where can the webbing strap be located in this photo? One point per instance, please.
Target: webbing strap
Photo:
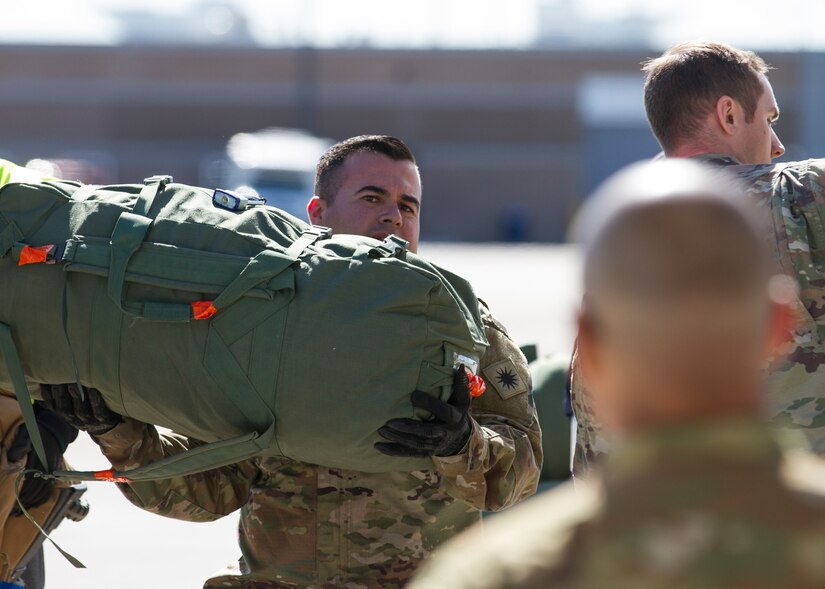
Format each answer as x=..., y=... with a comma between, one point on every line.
x=9, y=235
x=198, y=459
x=307, y=238
x=84, y=192
x=151, y=187
x=21, y=391
x=264, y=266
x=127, y=236
x=68, y=556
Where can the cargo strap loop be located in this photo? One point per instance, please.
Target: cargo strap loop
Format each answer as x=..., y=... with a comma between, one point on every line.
x=127, y=237
x=308, y=237
x=129, y=233
x=12, y=360
x=9, y=236
x=151, y=187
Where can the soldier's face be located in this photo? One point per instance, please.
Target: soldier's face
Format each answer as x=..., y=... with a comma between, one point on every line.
x=376, y=197
x=757, y=141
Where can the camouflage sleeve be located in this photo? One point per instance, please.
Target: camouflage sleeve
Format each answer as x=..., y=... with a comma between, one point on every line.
x=200, y=497
x=796, y=200
x=501, y=463
x=590, y=441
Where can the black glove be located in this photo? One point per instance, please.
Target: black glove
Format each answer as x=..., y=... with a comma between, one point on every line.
x=87, y=412
x=445, y=435
x=56, y=435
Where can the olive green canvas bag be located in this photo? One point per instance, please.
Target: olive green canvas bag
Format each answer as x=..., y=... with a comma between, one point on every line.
x=224, y=320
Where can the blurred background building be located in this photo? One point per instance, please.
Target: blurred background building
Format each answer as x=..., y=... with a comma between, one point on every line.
x=510, y=137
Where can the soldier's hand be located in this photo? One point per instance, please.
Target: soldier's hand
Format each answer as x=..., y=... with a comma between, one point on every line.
x=445, y=435
x=56, y=435
x=87, y=412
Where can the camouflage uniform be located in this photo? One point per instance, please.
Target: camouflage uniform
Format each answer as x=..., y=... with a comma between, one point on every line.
x=17, y=534
x=793, y=194
x=711, y=506
x=308, y=526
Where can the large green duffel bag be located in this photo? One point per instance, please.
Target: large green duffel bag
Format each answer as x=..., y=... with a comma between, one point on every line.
x=239, y=326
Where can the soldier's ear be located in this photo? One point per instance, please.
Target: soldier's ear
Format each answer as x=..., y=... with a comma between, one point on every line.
x=726, y=114
x=316, y=207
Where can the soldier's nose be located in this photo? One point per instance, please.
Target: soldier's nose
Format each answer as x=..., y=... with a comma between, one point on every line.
x=777, y=149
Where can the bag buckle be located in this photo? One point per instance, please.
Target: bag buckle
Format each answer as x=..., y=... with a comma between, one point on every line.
x=162, y=179
x=392, y=247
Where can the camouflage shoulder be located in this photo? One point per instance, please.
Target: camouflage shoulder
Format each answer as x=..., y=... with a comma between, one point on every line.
x=503, y=366
x=537, y=533
x=765, y=178
x=488, y=320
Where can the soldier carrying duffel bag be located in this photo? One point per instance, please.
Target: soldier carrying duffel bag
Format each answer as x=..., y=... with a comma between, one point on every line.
x=206, y=312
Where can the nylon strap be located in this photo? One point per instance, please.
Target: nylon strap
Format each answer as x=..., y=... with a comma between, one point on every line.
x=84, y=192
x=308, y=237
x=155, y=311
x=206, y=457
x=21, y=391
x=158, y=265
x=127, y=236
x=72, y=559
x=151, y=187
x=265, y=266
x=9, y=235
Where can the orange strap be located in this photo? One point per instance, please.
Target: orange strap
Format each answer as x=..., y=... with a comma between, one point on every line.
x=203, y=309
x=109, y=476
x=34, y=255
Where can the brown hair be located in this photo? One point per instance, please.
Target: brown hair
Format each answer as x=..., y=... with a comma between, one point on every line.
x=331, y=162
x=687, y=80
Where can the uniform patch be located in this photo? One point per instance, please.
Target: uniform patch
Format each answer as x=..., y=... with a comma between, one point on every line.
x=505, y=379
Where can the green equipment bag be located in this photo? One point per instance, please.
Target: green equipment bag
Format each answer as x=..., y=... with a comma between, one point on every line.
x=550, y=378
x=224, y=320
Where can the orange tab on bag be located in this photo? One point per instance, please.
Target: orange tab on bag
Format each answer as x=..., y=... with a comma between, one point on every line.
x=34, y=255
x=109, y=477
x=477, y=385
x=203, y=309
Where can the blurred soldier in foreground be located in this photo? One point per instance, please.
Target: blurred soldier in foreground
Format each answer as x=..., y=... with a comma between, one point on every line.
x=308, y=526
x=713, y=103
x=681, y=313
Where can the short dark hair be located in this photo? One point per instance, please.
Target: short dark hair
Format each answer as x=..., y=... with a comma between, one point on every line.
x=326, y=173
x=688, y=79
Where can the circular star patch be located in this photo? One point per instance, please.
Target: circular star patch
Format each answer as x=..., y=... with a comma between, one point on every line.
x=505, y=379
